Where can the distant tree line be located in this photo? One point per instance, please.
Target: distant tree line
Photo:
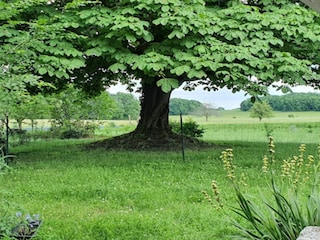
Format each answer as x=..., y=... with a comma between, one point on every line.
x=72, y=104
x=192, y=107
x=66, y=107
x=290, y=102
x=183, y=106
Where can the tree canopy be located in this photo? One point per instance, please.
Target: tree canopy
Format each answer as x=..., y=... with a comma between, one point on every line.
x=261, y=110
x=241, y=45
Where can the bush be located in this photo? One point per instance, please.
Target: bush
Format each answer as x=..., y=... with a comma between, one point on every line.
x=189, y=128
x=291, y=207
x=75, y=129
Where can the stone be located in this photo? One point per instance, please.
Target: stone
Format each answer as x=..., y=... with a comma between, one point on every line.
x=310, y=233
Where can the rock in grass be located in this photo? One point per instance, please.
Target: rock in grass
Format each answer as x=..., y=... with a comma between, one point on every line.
x=310, y=233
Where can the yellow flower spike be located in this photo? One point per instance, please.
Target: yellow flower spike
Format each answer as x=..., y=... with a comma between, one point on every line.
x=265, y=161
x=216, y=193
x=310, y=161
x=207, y=196
x=285, y=168
x=227, y=158
x=302, y=147
x=243, y=179
x=272, y=150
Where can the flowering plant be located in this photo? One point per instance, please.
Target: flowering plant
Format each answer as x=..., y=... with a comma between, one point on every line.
x=295, y=200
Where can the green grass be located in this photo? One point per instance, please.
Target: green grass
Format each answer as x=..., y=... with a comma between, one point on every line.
x=127, y=195
x=113, y=195
x=100, y=194
x=257, y=132
x=237, y=116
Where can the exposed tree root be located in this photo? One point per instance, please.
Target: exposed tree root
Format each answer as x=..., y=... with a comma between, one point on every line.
x=131, y=142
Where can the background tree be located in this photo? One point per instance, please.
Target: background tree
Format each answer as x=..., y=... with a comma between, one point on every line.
x=72, y=105
x=206, y=110
x=98, y=107
x=261, y=110
x=241, y=45
x=128, y=106
x=35, y=108
x=184, y=106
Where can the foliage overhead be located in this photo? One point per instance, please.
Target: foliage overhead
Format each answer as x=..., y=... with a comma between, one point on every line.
x=244, y=45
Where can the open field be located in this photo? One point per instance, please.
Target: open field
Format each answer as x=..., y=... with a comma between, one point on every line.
x=238, y=116
x=101, y=194
x=224, y=117
x=230, y=125
x=235, y=125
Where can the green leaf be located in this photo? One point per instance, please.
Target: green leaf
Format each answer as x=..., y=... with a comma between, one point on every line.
x=60, y=74
x=116, y=67
x=167, y=84
x=42, y=71
x=176, y=33
x=94, y=52
x=75, y=63
x=140, y=65
x=286, y=89
x=131, y=38
x=165, y=8
x=230, y=57
x=189, y=44
x=196, y=74
x=155, y=67
x=148, y=37
x=180, y=70
x=201, y=49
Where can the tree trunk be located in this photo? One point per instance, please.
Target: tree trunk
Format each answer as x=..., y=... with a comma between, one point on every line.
x=153, y=130
x=154, y=114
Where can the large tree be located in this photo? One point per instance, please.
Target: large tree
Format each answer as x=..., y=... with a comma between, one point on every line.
x=163, y=44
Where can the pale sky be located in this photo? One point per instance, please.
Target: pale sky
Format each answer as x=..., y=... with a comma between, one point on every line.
x=222, y=98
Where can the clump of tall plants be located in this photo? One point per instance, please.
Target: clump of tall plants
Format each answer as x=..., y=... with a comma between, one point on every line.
x=4, y=167
x=190, y=128
x=291, y=202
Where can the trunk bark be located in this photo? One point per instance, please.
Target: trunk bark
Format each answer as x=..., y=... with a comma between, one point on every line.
x=154, y=114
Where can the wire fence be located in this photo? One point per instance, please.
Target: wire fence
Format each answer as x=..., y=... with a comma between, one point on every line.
x=281, y=132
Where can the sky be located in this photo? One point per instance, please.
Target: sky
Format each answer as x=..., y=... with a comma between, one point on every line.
x=222, y=98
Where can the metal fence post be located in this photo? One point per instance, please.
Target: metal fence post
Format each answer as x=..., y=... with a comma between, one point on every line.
x=181, y=134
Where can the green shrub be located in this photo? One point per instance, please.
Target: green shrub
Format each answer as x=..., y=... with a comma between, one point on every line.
x=189, y=128
x=77, y=129
x=294, y=202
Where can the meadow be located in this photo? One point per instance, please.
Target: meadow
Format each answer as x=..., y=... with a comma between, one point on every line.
x=99, y=194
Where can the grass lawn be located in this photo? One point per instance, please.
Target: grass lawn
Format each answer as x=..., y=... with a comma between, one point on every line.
x=100, y=194
x=127, y=195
